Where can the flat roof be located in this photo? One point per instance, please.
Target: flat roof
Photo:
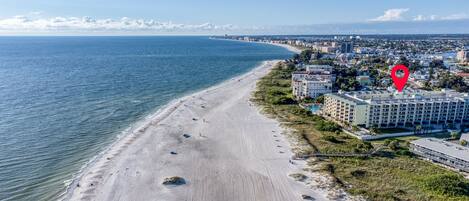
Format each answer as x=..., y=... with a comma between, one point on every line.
x=407, y=96
x=346, y=98
x=444, y=147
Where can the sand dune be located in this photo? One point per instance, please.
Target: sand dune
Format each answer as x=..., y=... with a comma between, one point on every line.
x=230, y=152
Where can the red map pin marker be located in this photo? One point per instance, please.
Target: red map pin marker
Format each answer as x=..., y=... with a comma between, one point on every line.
x=399, y=82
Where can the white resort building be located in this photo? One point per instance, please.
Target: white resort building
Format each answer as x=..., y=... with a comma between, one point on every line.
x=437, y=150
x=386, y=109
x=313, y=82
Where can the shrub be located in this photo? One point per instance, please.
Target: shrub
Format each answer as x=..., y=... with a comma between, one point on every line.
x=463, y=142
x=327, y=126
x=365, y=146
x=282, y=100
x=404, y=152
x=447, y=185
x=394, y=145
x=319, y=99
x=329, y=168
x=358, y=173
x=298, y=176
x=386, y=142
x=300, y=111
x=330, y=139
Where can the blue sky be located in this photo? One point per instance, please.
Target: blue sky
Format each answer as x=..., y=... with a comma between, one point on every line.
x=36, y=15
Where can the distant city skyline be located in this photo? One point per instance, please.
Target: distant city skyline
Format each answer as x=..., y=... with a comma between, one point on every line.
x=125, y=17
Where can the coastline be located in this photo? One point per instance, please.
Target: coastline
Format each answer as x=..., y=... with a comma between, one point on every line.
x=138, y=128
x=99, y=178
x=286, y=46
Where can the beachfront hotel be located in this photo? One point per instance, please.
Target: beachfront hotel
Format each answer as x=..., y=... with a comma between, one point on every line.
x=314, y=81
x=438, y=150
x=388, y=109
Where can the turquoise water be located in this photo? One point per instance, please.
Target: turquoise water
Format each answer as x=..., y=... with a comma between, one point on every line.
x=65, y=99
x=314, y=108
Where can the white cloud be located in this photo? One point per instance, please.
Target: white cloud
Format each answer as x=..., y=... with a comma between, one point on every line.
x=419, y=18
x=71, y=24
x=459, y=16
x=36, y=13
x=391, y=15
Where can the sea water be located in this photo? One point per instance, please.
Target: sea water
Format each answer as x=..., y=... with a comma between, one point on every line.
x=63, y=100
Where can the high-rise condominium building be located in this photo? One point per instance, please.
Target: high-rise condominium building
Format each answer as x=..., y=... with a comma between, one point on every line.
x=387, y=109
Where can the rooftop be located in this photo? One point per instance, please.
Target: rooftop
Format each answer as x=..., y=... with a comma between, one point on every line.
x=312, y=72
x=444, y=147
x=406, y=96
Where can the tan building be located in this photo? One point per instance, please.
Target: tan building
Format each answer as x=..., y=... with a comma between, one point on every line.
x=313, y=82
x=462, y=56
x=311, y=87
x=385, y=109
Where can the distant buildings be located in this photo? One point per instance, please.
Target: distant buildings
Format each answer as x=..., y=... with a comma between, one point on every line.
x=364, y=80
x=346, y=47
x=420, y=75
x=318, y=68
x=440, y=151
x=313, y=82
x=463, y=56
x=325, y=48
x=385, y=109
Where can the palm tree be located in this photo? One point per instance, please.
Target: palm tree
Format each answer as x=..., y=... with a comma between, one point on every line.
x=417, y=129
x=454, y=135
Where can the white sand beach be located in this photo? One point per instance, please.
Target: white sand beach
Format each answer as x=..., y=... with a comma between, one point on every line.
x=231, y=152
x=288, y=47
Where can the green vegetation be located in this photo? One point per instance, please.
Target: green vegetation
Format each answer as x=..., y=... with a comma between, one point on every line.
x=346, y=79
x=330, y=126
x=454, y=135
x=306, y=56
x=447, y=185
x=393, y=130
x=298, y=176
x=319, y=99
x=447, y=80
x=393, y=174
x=463, y=142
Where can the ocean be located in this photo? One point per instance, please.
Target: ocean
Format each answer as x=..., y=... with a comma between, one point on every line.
x=63, y=100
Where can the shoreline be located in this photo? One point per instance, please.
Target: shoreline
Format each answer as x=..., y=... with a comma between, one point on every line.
x=99, y=164
x=140, y=126
x=290, y=48
x=134, y=128
x=104, y=178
